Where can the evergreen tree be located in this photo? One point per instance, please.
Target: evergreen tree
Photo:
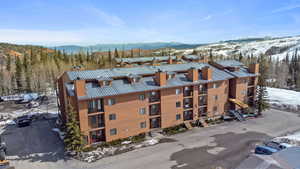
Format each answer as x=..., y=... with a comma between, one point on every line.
x=262, y=94
x=19, y=73
x=73, y=138
x=116, y=53
x=8, y=63
x=211, y=55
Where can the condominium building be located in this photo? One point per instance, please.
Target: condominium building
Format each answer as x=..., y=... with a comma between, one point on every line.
x=121, y=102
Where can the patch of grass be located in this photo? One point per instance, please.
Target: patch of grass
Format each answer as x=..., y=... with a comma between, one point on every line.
x=175, y=129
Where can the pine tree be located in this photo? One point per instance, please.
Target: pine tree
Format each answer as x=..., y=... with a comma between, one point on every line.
x=73, y=139
x=19, y=73
x=116, y=53
x=211, y=55
x=262, y=94
x=8, y=63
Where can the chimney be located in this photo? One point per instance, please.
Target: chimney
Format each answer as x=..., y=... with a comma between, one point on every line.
x=79, y=87
x=193, y=74
x=170, y=60
x=254, y=68
x=207, y=73
x=160, y=78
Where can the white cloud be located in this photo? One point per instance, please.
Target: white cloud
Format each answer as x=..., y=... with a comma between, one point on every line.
x=285, y=8
x=208, y=17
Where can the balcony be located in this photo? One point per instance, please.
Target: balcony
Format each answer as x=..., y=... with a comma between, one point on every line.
x=96, y=121
x=203, y=112
x=155, y=123
x=202, y=100
x=251, y=82
x=97, y=136
x=95, y=106
x=154, y=109
x=250, y=93
x=187, y=103
x=188, y=91
x=188, y=115
x=202, y=89
x=154, y=97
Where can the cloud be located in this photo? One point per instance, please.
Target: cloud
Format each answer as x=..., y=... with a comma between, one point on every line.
x=107, y=18
x=286, y=8
x=206, y=18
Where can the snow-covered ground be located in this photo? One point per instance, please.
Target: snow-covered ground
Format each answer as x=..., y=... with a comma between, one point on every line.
x=284, y=99
x=255, y=47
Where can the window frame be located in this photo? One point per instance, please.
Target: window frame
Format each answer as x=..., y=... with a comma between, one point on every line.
x=113, y=133
x=143, y=125
x=112, y=116
x=178, y=116
x=111, y=101
x=177, y=104
x=142, y=112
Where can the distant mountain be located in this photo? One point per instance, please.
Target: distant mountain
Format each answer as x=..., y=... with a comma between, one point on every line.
x=128, y=46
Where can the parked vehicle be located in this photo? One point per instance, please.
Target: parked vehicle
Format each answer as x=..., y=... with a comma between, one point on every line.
x=26, y=98
x=32, y=104
x=264, y=150
x=276, y=145
x=23, y=121
x=1, y=100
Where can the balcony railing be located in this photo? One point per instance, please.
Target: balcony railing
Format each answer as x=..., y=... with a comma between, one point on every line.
x=187, y=103
x=154, y=110
x=203, y=89
x=203, y=111
x=188, y=115
x=154, y=97
x=155, y=123
x=187, y=93
x=202, y=100
x=96, y=121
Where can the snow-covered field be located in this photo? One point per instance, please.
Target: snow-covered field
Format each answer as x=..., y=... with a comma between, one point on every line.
x=284, y=99
x=255, y=47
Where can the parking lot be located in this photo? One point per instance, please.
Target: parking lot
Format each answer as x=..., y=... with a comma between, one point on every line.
x=225, y=145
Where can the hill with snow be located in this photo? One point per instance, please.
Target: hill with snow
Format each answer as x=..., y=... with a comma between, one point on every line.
x=284, y=99
x=275, y=47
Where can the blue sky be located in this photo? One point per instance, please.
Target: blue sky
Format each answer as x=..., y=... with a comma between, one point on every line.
x=84, y=22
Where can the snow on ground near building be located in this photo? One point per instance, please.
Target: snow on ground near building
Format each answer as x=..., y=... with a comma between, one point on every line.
x=284, y=99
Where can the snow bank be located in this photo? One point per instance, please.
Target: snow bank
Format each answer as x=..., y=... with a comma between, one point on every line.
x=284, y=99
x=60, y=133
x=293, y=139
x=7, y=122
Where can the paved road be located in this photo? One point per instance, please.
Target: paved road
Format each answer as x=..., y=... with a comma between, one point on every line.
x=223, y=145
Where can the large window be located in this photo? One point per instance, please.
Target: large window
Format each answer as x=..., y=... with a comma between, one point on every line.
x=112, y=117
x=97, y=136
x=142, y=97
x=111, y=101
x=95, y=106
x=143, y=124
x=113, y=131
x=178, y=91
x=96, y=121
x=178, y=116
x=178, y=104
x=142, y=111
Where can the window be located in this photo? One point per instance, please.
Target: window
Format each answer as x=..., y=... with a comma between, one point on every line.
x=215, y=85
x=143, y=124
x=106, y=83
x=177, y=91
x=96, y=121
x=97, y=136
x=95, y=106
x=112, y=117
x=142, y=111
x=113, y=131
x=178, y=116
x=178, y=104
x=142, y=97
x=215, y=109
x=216, y=97
x=111, y=102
